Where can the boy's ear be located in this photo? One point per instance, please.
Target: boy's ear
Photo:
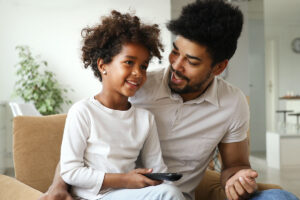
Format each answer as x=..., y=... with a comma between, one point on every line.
x=220, y=67
x=101, y=65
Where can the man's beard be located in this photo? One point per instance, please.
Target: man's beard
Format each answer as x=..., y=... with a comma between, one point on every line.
x=188, y=88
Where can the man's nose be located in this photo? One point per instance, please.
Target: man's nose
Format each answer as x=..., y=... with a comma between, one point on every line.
x=178, y=64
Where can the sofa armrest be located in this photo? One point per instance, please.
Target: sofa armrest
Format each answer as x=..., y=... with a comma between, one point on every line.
x=12, y=189
x=264, y=186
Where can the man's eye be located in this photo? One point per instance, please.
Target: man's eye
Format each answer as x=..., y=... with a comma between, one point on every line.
x=174, y=52
x=191, y=63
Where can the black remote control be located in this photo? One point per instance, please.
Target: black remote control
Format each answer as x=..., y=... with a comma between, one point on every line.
x=164, y=176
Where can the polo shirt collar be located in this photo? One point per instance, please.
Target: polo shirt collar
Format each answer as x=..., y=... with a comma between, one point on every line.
x=210, y=95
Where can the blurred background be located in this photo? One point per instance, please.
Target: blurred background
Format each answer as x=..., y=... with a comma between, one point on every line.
x=266, y=66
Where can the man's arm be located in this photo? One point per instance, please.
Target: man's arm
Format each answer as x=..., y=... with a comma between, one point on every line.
x=58, y=190
x=237, y=177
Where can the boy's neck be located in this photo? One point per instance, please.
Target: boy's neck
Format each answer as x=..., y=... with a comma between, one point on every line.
x=115, y=103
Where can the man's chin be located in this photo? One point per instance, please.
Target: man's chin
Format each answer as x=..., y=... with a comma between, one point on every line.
x=177, y=90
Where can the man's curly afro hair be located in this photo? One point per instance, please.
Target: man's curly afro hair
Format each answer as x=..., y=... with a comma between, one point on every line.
x=106, y=39
x=212, y=23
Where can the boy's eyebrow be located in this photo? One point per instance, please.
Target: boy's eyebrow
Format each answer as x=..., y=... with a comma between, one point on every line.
x=187, y=55
x=132, y=57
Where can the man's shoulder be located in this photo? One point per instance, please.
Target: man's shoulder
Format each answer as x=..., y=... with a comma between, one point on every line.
x=227, y=90
x=154, y=76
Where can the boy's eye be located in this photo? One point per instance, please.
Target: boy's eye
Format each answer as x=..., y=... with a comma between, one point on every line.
x=129, y=62
x=144, y=67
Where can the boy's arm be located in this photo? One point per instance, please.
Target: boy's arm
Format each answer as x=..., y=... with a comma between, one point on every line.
x=151, y=154
x=58, y=190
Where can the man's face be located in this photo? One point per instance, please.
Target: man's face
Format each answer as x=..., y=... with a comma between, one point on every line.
x=190, y=68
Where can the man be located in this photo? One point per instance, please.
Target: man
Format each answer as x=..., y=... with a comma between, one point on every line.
x=195, y=110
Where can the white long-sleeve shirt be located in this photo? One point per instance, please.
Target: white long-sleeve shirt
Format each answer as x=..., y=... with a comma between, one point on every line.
x=99, y=140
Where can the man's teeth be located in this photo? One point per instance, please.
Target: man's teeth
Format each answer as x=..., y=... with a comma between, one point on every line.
x=177, y=77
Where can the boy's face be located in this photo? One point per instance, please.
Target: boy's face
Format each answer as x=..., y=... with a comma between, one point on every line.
x=190, y=68
x=126, y=73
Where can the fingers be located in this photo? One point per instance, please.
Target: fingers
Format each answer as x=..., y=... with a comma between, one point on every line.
x=235, y=192
x=151, y=182
x=248, y=184
x=250, y=173
x=240, y=189
x=229, y=197
x=143, y=171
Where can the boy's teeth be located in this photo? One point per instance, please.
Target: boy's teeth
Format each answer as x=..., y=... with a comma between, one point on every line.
x=133, y=83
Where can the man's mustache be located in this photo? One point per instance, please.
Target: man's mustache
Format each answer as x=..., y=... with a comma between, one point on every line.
x=179, y=74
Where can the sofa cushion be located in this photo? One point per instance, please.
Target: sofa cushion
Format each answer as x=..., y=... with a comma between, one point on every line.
x=37, y=142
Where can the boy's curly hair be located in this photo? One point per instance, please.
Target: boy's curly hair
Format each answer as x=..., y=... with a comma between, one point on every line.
x=106, y=39
x=212, y=23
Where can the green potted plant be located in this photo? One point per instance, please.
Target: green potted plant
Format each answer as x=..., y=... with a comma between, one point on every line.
x=37, y=85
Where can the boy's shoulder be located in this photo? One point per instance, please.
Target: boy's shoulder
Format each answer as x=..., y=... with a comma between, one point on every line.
x=81, y=105
x=142, y=113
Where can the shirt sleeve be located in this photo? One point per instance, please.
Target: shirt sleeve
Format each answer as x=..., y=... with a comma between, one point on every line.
x=239, y=123
x=151, y=154
x=72, y=168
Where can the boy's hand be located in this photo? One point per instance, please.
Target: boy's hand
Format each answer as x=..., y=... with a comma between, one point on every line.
x=241, y=185
x=135, y=179
x=56, y=194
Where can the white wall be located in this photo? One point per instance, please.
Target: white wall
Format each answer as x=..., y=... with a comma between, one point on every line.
x=282, y=25
x=289, y=62
x=257, y=85
x=52, y=29
x=238, y=71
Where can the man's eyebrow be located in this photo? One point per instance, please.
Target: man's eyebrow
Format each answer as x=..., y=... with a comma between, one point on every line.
x=193, y=57
x=187, y=55
x=174, y=45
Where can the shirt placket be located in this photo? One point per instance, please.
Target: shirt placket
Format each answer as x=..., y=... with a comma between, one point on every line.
x=178, y=114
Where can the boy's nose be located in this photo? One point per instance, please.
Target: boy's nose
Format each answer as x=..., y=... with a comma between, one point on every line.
x=137, y=71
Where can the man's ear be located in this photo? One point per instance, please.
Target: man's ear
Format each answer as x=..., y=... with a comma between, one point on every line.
x=100, y=65
x=220, y=67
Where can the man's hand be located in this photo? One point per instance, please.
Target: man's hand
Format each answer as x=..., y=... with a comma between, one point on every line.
x=56, y=194
x=241, y=185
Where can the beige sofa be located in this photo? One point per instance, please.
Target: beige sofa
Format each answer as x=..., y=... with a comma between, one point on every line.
x=36, y=153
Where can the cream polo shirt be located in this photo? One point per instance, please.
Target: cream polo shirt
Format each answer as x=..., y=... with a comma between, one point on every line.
x=190, y=131
x=99, y=140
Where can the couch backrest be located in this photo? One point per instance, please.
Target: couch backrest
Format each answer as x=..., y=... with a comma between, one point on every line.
x=36, y=148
